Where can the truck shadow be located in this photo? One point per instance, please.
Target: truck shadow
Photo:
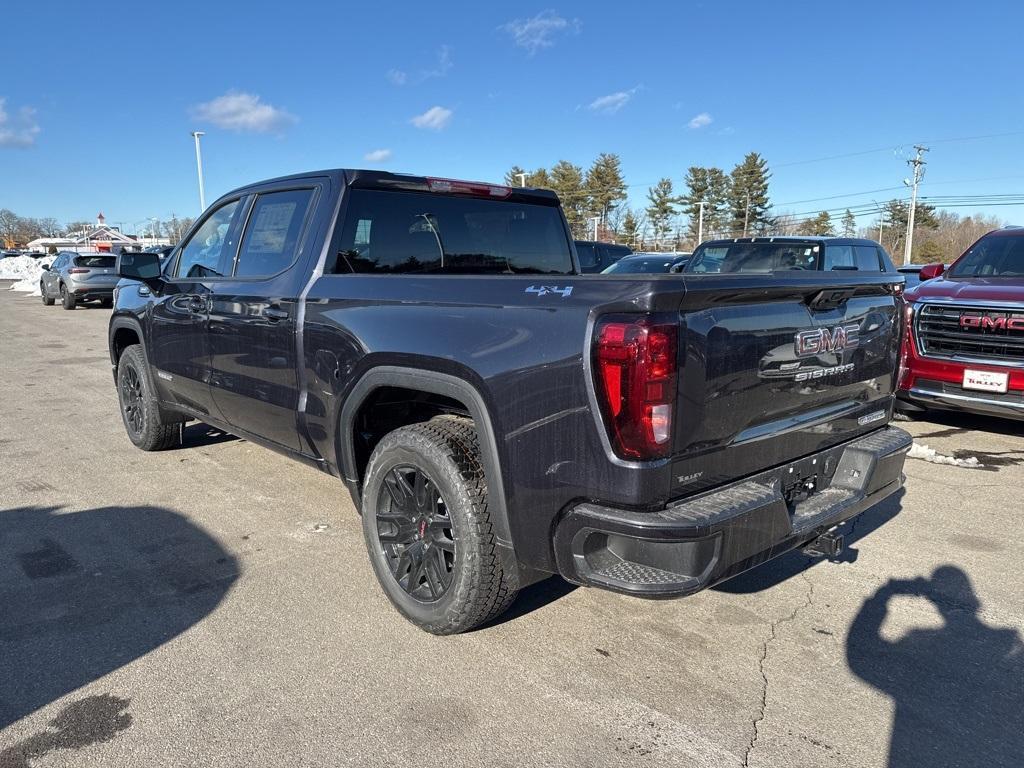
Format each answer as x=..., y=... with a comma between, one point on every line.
x=85, y=593
x=199, y=433
x=787, y=566
x=958, y=689
x=951, y=423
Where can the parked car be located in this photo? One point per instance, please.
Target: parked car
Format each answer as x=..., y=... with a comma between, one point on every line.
x=964, y=346
x=771, y=254
x=595, y=257
x=77, y=277
x=497, y=417
x=9, y=253
x=647, y=264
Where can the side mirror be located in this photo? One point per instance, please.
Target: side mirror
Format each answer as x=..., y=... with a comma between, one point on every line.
x=144, y=267
x=930, y=271
x=46, y=267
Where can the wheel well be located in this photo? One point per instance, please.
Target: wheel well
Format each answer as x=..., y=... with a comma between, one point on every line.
x=123, y=338
x=387, y=409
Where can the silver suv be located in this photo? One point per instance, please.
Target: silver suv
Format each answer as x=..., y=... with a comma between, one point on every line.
x=75, y=277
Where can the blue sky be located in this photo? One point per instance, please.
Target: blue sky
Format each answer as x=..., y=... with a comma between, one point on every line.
x=98, y=99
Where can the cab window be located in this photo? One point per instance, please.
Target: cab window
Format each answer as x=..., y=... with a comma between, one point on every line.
x=208, y=253
x=272, y=235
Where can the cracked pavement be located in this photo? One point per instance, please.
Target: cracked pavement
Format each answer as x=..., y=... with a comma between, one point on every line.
x=214, y=605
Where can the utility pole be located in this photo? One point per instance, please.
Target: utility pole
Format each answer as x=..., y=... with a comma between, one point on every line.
x=918, y=165
x=700, y=222
x=522, y=179
x=199, y=168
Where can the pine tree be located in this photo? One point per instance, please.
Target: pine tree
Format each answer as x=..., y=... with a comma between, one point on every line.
x=605, y=185
x=712, y=186
x=748, y=197
x=630, y=227
x=661, y=208
x=849, y=224
x=566, y=180
x=512, y=177
x=539, y=178
x=820, y=225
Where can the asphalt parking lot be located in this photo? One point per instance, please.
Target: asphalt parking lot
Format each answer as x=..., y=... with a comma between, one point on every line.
x=213, y=605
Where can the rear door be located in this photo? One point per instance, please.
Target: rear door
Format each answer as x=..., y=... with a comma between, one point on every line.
x=253, y=316
x=177, y=347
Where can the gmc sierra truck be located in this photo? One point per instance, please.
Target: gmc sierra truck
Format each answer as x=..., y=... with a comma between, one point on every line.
x=498, y=416
x=964, y=344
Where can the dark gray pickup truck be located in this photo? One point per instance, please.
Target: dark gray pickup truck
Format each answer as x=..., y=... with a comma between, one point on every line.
x=496, y=415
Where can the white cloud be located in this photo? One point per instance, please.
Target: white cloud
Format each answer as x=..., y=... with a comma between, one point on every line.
x=701, y=121
x=613, y=102
x=378, y=156
x=19, y=130
x=444, y=64
x=397, y=76
x=539, y=31
x=243, y=112
x=434, y=118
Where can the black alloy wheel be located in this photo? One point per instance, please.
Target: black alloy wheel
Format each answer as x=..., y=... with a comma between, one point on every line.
x=415, y=532
x=131, y=400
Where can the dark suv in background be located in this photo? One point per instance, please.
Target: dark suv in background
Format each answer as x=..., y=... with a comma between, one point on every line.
x=596, y=257
x=784, y=253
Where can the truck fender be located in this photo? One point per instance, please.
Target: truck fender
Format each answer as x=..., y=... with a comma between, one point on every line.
x=438, y=384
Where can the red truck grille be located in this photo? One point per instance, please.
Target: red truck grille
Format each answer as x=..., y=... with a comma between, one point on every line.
x=981, y=333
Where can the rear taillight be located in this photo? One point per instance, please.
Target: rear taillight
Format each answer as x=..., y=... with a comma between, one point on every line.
x=635, y=366
x=78, y=271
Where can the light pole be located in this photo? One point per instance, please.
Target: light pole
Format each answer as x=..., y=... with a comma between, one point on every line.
x=596, y=220
x=522, y=179
x=199, y=168
x=700, y=222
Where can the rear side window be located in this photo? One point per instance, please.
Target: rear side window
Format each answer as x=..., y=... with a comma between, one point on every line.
x=209, y=251
x=272, y=235
x=587, y=254
x=96, y=262
x=420, y=233
x=867, y=258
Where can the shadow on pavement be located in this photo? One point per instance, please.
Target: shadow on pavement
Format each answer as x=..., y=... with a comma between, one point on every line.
x=85, y=593
x=952, y=423
x=787, y=566
x=534, y=597
x=199, y=433
x=958, y=689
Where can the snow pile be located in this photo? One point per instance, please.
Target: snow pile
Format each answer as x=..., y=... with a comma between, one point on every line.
x=25, y=270
x=28, y=285
x=923, y=452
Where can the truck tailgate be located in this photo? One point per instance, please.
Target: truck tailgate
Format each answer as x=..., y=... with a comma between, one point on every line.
x=772, y=369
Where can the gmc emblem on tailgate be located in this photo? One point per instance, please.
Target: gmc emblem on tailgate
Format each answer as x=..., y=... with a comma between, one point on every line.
x=986, y=323
x=821, y=340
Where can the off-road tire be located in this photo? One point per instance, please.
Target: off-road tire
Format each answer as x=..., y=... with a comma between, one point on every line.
x=149, y=431
x=447, y=450
x=48, y=301
x=67, y=298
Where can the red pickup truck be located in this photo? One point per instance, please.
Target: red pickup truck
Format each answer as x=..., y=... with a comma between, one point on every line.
x=963, y=348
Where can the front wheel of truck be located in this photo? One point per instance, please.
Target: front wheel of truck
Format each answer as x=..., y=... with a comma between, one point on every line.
x=145, y=424
x=428, y=528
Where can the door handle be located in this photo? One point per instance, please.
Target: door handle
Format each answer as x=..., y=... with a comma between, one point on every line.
x=275, y=314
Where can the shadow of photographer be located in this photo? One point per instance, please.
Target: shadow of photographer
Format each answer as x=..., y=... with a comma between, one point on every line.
x=85, y=593
x=958, y=689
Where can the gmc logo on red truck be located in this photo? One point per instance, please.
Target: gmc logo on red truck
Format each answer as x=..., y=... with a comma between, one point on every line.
x=986, y=323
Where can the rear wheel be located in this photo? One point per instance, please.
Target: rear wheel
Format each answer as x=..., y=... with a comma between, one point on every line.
x=42, y=292
x=428, y=528
x=67, y=298
x=145, y=425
